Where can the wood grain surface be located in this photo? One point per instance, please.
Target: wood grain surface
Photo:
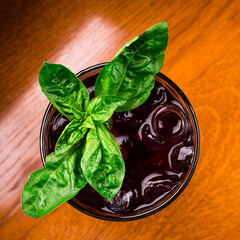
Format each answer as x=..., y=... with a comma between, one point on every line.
x=203, y=58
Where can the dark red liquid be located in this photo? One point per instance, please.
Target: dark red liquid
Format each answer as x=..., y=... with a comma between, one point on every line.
x=156, y=143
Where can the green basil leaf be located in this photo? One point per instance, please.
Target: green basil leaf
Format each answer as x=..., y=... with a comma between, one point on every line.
x=102, y=162
x=71, y=135
x=130, y=75
x=102, y=108
x=64, y=90
x=59, y=180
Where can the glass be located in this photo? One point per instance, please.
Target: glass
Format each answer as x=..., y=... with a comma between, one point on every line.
x=170, y=197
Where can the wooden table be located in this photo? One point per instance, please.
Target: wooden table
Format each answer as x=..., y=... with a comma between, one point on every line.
x=203, y=58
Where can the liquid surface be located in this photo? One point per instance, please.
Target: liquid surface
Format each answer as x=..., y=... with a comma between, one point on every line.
x=156, y=144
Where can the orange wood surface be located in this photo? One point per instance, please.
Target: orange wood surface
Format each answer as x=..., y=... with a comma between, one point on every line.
x=203, y=58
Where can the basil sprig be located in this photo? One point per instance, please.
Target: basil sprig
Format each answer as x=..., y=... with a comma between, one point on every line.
x=86, y=151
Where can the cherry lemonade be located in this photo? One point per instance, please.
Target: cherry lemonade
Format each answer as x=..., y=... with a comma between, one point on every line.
x=156, y=141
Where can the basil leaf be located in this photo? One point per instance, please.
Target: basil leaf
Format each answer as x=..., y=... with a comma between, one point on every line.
x=59, y=180
x=102, y=162
x=102, y=108
x=64, y=90
x=130, y=75
x=71, y=135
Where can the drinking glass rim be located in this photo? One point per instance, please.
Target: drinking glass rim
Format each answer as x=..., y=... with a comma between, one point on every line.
x=119, y=218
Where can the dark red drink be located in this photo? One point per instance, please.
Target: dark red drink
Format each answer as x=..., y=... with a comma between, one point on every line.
x=158, y=146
